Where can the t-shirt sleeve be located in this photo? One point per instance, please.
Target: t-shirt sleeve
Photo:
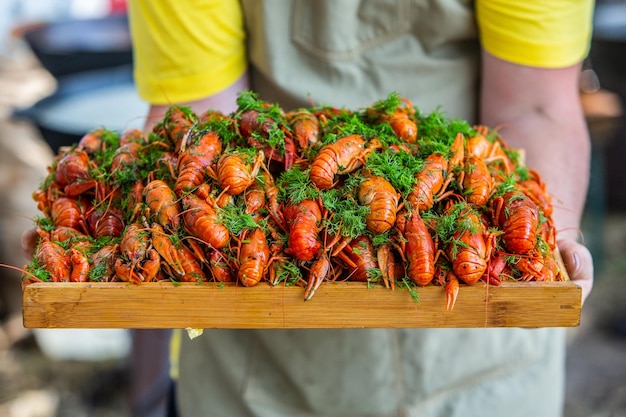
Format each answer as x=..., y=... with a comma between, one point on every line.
x=186, y=50
x=546, y=33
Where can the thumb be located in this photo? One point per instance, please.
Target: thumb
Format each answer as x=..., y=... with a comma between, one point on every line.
x=578, y=263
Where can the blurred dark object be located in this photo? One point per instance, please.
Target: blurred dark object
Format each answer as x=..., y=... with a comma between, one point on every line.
x=72, y=46
x=85, y=101
x=607, y=57
x=608, y=46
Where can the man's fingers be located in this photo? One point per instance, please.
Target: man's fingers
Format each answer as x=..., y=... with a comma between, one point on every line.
x=579, y=264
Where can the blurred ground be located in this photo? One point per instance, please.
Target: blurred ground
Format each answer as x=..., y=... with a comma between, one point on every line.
x=35, y=385
x=596, y=361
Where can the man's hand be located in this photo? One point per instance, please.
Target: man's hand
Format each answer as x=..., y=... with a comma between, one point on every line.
x=30, y=239
x=579, y=264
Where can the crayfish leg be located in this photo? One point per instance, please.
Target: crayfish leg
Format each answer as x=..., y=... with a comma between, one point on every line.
x=387, y=265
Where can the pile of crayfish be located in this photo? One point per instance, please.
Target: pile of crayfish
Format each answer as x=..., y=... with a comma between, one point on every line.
x=386, y=195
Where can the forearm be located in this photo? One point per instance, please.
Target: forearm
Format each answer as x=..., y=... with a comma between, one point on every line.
x=539, y=111
x=224, y=101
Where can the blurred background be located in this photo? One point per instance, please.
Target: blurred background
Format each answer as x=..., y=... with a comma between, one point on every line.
x=66, y=68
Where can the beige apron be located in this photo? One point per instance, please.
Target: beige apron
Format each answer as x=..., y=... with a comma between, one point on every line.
x=351, y=53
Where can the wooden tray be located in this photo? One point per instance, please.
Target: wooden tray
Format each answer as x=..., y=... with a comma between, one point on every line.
x=335, y=305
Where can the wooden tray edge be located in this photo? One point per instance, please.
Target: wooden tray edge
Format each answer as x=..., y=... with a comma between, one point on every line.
x=335, y=305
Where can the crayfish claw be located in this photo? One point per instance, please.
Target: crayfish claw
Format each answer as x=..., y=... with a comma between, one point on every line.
x=452, y=291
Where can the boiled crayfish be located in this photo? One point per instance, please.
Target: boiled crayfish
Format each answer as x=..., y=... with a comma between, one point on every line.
x=305, y=196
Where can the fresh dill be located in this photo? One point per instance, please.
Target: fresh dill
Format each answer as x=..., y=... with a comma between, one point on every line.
x=235, y=219
x=397, y=167
x=287, y=272
x=295, y=186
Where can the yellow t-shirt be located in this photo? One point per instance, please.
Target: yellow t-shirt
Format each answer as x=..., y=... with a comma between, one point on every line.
x=188, y=50
x=547, y=34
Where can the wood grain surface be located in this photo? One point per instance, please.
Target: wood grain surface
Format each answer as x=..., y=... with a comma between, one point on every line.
x=335, y=305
